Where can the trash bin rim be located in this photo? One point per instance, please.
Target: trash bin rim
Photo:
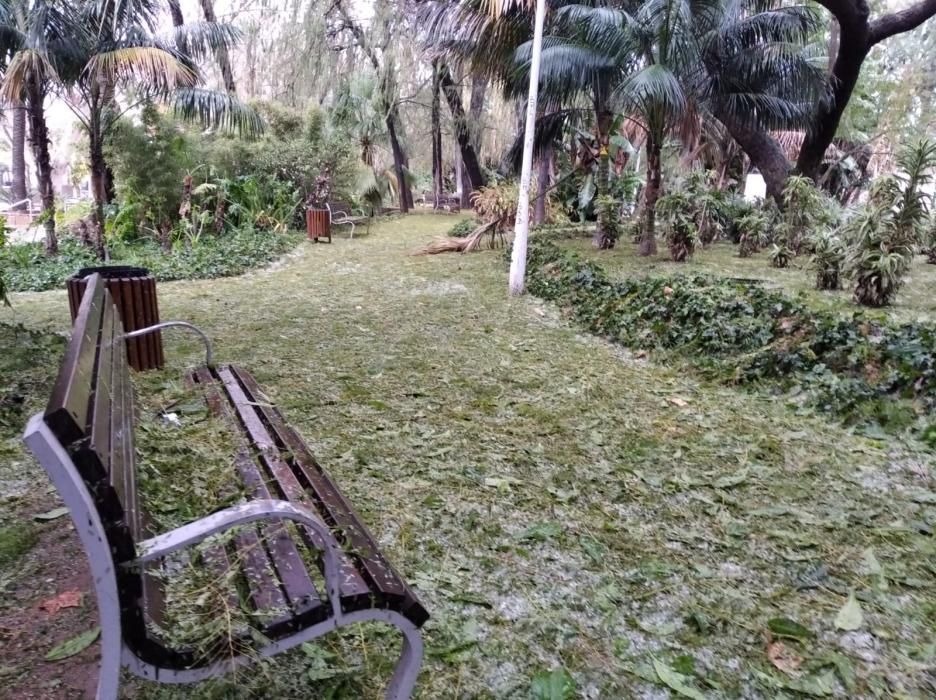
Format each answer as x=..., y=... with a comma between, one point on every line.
x=112, y=272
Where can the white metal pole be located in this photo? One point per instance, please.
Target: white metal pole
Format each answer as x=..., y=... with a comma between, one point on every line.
x=522, y=228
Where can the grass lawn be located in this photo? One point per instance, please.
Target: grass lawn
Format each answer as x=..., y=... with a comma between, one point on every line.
x=915, y=302
x=555, y=500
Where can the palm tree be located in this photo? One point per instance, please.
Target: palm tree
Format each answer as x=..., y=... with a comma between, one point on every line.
x=673, y=62
x=33, y=35
x=120, y=49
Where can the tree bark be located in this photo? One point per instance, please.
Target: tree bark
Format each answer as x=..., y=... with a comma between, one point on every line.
x=462, y=132
x=764, y=151
x=222, y=56
x=652, y=193
x=436, y=110
x=858, y=34
x=542, y=181
x=98, y=167
x=604, y=238
x=398, y=163
x=39, y=141
x=175, y=10
x=18, y=156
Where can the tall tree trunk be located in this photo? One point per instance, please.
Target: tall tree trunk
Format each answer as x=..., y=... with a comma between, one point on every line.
x=764, y=151
x=475, y=126
x=857, y=35
x=845, y=74
x=834, y=36
x=437, y=186
x=398, y=163
x=39, y=141
x=224, y=59
x=605, y=237
x=18, y=145
x=652, y=193
x=542, y=181
x=98, y=167
x=516, y=278
x=175, y=10
x=462, y=132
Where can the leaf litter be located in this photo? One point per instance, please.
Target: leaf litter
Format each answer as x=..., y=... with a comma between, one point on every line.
x=501, y=456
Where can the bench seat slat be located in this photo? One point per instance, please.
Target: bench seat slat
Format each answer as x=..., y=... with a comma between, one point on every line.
x=354, y=589
x=301, y=595
x=335, y=507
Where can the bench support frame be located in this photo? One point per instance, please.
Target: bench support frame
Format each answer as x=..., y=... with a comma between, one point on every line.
x=63, y=473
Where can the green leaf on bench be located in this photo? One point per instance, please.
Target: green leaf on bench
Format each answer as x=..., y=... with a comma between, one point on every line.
x=73, y=646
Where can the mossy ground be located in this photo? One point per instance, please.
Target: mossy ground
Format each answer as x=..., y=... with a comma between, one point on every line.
x=556, y=501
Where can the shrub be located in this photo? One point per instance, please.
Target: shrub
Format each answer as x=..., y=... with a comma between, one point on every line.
x=30, y=270
x=753, y=232
x=150, y=161
x=806, y=211
x=827, y=259
x=679, y=212
x=857, y=368
x=780, y=255
x=463, y=228
x=882, y=237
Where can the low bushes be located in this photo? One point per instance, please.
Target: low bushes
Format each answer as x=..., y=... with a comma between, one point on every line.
x=863, y=370
x=26, y=268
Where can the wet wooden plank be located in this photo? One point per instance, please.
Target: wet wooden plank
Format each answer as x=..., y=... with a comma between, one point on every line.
x=354, y=588
x=284, y=556
x=333, y=505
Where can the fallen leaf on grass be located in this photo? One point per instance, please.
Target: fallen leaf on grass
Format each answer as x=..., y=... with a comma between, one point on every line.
x=849, y=618
x=783, y=658
x=51, y=514
x=785, y=627
x=675, y=681
x=73, y=646
x=677, y=401
x=68, y=599
x=553, y=685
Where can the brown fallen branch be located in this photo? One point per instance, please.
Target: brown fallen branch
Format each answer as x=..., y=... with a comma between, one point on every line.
x=472, y=242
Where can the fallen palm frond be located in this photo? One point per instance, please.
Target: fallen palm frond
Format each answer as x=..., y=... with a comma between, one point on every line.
x=471, y=243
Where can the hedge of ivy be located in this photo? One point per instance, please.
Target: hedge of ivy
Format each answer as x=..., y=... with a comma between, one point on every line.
x=864, y=370
x=27, y=269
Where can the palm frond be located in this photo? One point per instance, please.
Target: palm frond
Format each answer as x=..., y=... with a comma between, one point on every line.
x=27, y=64
x=216, y=110
x=199, y=40
x=154, y=67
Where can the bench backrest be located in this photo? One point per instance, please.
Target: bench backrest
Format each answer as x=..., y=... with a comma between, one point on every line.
x=91, y=414
x=340, y=208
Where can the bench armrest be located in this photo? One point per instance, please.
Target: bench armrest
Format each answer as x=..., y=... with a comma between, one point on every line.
x=265, y=509
x=209, y=355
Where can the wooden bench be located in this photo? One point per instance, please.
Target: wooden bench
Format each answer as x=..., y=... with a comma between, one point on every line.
x=341, y=213
x=85, y=441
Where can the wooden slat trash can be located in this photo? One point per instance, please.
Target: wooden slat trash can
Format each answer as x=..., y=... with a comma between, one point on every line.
x=134, y=293
x=318, y=224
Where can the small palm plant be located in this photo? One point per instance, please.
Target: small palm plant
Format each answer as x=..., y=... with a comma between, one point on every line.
x=781, y=255
x=929, y=248
x=827, y=259
x=679, y=214
x=884, y=234
x=754, y=230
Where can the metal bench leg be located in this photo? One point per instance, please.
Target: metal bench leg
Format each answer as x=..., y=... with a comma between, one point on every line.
x=111, y=649
x=407, y=670
x=60, y=468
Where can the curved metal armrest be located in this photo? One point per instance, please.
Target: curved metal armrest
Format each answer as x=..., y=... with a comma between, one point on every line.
x=209, y=355
x=267, y=509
